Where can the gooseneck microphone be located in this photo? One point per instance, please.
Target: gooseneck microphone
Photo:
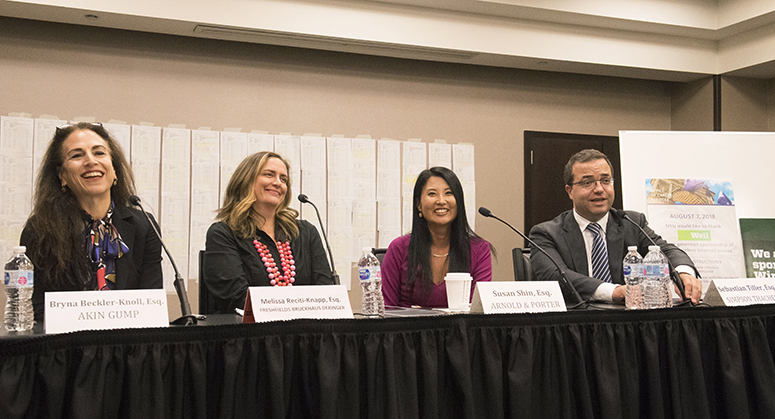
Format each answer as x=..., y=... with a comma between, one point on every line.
x=564, y=282
x=187, y=317
x=674, y=275
x=305, y=199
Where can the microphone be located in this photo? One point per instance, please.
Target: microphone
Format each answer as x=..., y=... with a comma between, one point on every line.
x=570, y=290
x=674, y=275
x=305, y=199
x=187, y=318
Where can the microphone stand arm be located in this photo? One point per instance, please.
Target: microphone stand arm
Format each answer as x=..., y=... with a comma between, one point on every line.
x=563, y=278
x=334, y=275
x=187, y=318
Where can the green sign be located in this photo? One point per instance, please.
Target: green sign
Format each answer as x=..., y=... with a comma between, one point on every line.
x=694, y=235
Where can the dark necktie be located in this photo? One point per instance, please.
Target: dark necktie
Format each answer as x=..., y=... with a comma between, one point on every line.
x=600, y=268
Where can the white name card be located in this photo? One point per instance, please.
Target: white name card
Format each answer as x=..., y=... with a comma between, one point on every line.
x=517, y=297
x=88, y=310
x=740, y=292
x=265, y=304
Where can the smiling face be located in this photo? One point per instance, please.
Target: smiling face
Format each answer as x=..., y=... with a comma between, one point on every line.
x=87, y=167
x=271, y=185
x=592, y=203
x=437, y=203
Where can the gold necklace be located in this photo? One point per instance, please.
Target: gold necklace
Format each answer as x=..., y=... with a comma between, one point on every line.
x=440, y=256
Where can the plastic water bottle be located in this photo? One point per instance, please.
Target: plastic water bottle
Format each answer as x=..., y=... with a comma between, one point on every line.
x=656, y=289
x=633, y=276
x=371, y=283
x=18, y=280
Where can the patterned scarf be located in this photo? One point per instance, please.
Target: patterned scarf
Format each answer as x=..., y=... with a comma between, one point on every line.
x=104, y=246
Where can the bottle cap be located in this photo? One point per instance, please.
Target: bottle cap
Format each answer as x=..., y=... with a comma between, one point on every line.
x=632, y=248
x=19, y=249
x=652, y=247
x=366, y=249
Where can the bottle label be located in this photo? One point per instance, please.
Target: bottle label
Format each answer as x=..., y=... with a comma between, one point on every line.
x=18, y=279
x=627, y=270
x=366, y=274
x=656, y=270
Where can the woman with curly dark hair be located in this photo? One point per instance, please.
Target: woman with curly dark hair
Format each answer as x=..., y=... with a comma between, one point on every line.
x=82, y=235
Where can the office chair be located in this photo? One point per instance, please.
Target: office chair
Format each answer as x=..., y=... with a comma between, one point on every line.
x=522, y=269
x=379, y=252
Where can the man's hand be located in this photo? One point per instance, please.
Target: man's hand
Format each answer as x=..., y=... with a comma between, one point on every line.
x=618, y=295
x=692, y=286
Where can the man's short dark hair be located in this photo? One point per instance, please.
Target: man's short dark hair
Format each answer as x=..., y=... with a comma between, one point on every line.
x=584, y=156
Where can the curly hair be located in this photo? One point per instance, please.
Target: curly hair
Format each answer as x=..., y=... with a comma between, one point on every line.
x=56, y=216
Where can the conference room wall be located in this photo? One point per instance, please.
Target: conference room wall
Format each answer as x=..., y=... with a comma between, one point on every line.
x=771, y=108
x=72, y=71
x=692, y=105
x=744, y=104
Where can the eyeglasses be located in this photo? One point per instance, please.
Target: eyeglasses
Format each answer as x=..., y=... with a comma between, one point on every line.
x=590, y=183
x=68, y=126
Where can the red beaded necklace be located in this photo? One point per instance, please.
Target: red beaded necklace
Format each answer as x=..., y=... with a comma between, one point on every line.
x=286, y=278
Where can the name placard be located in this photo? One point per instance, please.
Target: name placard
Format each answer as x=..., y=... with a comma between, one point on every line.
x=88, y=310
x=517, y=297
x=265, y=304
x=740, y=292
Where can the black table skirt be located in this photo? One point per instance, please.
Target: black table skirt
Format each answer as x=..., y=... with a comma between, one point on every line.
x=674, y=363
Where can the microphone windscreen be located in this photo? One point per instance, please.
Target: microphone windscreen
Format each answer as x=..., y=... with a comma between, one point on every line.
x=484, y=211
x=621, y=213
x=134, y=200
x=303, y=198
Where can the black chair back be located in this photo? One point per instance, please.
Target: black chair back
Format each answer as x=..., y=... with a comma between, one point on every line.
x=522, y=269
x=379, y=252
x=204, y=294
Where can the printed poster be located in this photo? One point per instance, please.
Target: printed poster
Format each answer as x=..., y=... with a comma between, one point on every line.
x=758, y=236
x=698, y=215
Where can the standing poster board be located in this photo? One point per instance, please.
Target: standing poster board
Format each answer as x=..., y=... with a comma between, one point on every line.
x=740, y=158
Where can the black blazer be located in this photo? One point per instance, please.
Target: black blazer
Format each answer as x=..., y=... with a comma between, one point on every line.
x=138, y=269
x=562, y=239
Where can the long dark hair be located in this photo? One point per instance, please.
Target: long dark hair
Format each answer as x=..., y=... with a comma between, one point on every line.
x=418, y=261
x=56, y=218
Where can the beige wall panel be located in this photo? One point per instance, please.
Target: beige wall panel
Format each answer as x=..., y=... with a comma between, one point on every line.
x=771, y=105
x=692, y=105
x=743, y=104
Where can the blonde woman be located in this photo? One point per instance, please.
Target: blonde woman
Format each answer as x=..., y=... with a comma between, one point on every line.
x=258, y=240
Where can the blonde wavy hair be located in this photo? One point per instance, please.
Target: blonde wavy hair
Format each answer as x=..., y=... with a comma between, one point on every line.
x=237, y=210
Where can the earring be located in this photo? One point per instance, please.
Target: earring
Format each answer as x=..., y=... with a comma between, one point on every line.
x=420, y=215
x=115, y=181
x=64, y=188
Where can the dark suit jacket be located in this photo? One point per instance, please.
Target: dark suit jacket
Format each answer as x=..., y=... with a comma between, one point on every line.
x=138, y=269
x=562, y=239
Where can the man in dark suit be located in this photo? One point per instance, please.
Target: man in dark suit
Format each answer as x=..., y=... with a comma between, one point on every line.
x=582, y=239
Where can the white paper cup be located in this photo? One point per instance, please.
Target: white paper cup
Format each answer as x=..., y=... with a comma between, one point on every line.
x=458, y=290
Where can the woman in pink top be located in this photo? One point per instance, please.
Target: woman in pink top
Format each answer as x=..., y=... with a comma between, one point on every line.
x=441, y=241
